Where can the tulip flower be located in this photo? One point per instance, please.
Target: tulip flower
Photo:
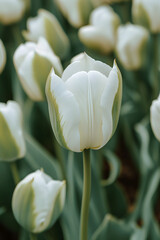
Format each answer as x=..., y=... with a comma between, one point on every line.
x=146, y=13
x=46, y=25
x=12, y=11
x=2, y=56
x=131, y=46
x=38, y=201
x=97, y=36
x=76, y=11
x=33, y=63
x=12, y=144
x=84, y=103
x=155, y=117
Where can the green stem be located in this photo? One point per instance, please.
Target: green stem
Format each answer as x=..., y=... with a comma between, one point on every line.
x=156, y=85
x=86, y=195
x=15, y=172
x=33, y=236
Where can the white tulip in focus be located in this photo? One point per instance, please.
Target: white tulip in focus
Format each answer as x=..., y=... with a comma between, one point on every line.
x=76, y=11
x=155, y=117
x=147, y=13
x=100, y=35
x=46, y=25
x=38, y=201
x=131, y=46
x=84, y=104
x=12, y=11
x=33, y=63
x=2, y=56
x=12, y=144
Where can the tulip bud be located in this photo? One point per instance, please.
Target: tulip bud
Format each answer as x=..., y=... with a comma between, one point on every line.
x=155, y=117
x=38, y=201
x=12, y=144
x=2, y=56
x=131, y=46
x=146, y=13
x=46, y=25
x=33, y=63
x=84, y=104
x=76, y=11
x=12, y=11
x=96, y=35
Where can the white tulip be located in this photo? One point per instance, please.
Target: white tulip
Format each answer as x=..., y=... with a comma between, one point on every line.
x=2, y=56
x=12, y=144
x=38, y=201
x=147, y=13
x=131, y=46
x=33, y=63
x=155, y=117
x=46, y=25
x=100, y=35
x=12, y=11
x=76, y=11
x=84, y=104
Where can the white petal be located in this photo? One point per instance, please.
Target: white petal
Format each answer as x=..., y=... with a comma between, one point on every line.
x=87, y=89
x=86, y=64
x=2, y=56
x=107, y=101
x=64, y=113
x=155, y=118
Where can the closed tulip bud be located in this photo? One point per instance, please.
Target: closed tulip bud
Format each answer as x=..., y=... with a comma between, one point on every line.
x=12, y=11
x=76, y=11
x=33, y=63
x=97, y=36
x=12, y=144
x=131, y=46
x=2, y=56
x=146, y=13
x=155, y=117
x=38, y=201
x=84, y=104
x=46, y=25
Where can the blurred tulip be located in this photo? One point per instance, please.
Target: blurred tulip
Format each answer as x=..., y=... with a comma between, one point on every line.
x=100, y=35
x=155, y=117
x=76, y=11
x=147, y=13
x=12, y=11
x=46, y=25
x=12, y=144
x=2, y=56
x=33, y=63
x=84, y=104
x=38, y=201
x=131, y=46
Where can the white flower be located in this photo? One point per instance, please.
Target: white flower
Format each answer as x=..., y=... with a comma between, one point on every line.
x=33, y=63
x=84, y=104
x=12, y=10
x=131, y=46
x=155, y=117
x=12, y=144
x=46, y=25
x=100, y=35
x=147, y=13
x=38, y=201
x=76, y=11
x=2, y=56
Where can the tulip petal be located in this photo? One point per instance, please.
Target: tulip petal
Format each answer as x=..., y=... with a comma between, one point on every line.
x=107, y=103
x=64, y=113
x=87, y=89
x=86, y=64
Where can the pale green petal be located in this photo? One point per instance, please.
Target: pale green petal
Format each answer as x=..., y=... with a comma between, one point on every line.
x=2, y=56
x=64, y=113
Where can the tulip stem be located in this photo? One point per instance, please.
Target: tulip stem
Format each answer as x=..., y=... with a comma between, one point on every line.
x=15, y=172
x=33, y=236
x=86, y=195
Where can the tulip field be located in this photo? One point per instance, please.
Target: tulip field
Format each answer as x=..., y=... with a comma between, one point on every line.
x=79, y=120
